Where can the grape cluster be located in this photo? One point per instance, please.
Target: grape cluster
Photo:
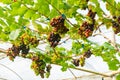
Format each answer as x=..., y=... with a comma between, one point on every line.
x=17, y=50
x=13, y=52
x=22, y=48
x=87, y=54
x=116, y=24
x=54, y=39
x=40, y=67
x=76, y=62
x=29, y=40
x=86, y=29
x=81, y=60
x=58, y=24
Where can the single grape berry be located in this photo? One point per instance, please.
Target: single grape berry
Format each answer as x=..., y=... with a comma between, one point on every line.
x=114, y=17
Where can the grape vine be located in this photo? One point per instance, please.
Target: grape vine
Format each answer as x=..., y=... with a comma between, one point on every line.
x=23, y=24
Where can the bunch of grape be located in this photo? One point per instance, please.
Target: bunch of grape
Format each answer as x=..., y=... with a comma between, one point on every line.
x=13, y=52
x=81, y=60
x=29, y=40
x=116, y=24
x=86, y=29
x=24, y=49
x=58, y=24
x=16, y=50
x=34, y=41
x=39, y=66
x=54, y=39
x=87, y=54
x=76, y=62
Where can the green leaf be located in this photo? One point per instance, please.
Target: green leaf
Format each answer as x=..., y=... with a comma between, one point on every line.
x=0, y=29
x=71, y=2
x=43, y=9
x=35, y=16
x=10, y=20
x=30, y=2
x=1, y=11
x=3, y=23
x=14, y=34
x=64, y=68
x=6, y=1
x=54, y=2
x=107, y=45
x=22, y=10
x=15, y=5
x=111, y=6
x=113, y=64
x=118, y=77
x=4, y=36
x=29, y=14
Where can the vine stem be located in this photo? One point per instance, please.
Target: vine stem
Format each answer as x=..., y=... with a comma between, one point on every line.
x=55, y=52
x=12, y=71
x=97, y=73
x=72, y=73
x=3, y=50
x=64, y=41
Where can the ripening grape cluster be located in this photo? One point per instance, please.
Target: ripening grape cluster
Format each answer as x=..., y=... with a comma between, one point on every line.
x=58, y=24
x=13, y=52
x=40, y=67
x=22, y=48
x=54, y=39
x=58, y=28
x=87, y=54
x=81, y=60
x=86, y=29
x=116, y=24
